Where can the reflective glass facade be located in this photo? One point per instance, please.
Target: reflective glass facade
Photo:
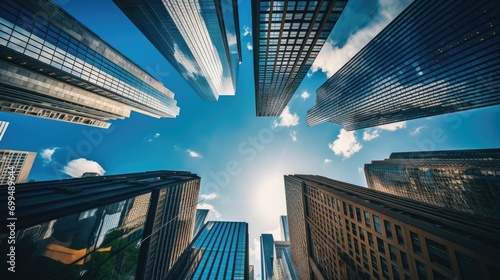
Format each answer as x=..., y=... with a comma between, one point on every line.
x=285, y=233
x=105, y=227
x=17, y=164
x=351, y=232
x=463, y=180
x=287, y=37
x=219, y=251
x=92, y=82
x=200, y=39
x=434, y=58
x=284, y=268
x=3, y=128
x=267, y=256
x=201, y=218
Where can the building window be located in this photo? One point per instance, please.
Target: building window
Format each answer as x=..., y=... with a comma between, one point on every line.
x=415, y=243
x=392, y=252
x=374, y=260
x=438, y=276
x=361, y=233
x=385, y=268
x=351, y=212
x=395, y=273
x=404, y=260
x=421, y=271
x=388, y=230
x=367, y=219
x=468, y=266
x=380, y=244
x=344, y=207
x=358, y=215
x=399, y=234
x=370, y=239
x=376, y=222
x=438, y=254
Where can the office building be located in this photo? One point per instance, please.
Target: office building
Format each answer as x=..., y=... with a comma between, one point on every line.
x=15, y=164
x=283, y=268
x=201, y=218
x=287, y=37
x=114, y=227
x=251, y=272
x=344, y=231
x=52, y=66
x=285, y=232
x=3, y=128
x=267, y=256
x=200, y=39
x=219, y=251
x=434, y=58
x=463, y=180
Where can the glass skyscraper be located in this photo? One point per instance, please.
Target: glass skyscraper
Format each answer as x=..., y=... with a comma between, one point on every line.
x=287, y=37
x=434, y=58
x=16, y=164
x=51, y=66
x=201, y=218
x=284, y=268
x=285, y=233
x=463, y=180
x=219, y=251
x=344, y=231
x=106, y=227
x=267, y=256
x=200, y=39
x=3, y=128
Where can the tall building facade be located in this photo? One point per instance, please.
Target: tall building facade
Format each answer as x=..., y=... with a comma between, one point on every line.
x=52, y=66
x=201, y=218
x=343, y=231
x=287, y=37
x=200, y=39
x=285, y=232
x=267, y=256
x=15, y=165
x=219, y=251
x=463, y=180
x=3, y=128
x=119, y=227
x=284, y=268
x=433, y=59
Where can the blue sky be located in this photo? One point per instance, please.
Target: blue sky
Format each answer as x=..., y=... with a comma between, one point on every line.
x=241, y=158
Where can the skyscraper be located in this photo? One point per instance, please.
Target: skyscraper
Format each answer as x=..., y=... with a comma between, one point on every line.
x=219, y=251
x=434, y=58
x=267, y=256
x=15, y=164
x=283, y=264
x=251, y=272
x=343, y=231
x=287, y=37
x=119, y=227
x=201, y=218
x=200, y=39
x=463, y=180
x=3, y=128
x=285, y=232
x=51, y=66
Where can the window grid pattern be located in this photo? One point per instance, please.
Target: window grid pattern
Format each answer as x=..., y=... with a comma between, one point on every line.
x=15, y=164
x=288, y=36
x=462, y=180
x=335, y=243
x=432, y=59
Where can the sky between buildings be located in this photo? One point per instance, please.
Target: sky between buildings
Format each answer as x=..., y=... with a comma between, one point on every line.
x=240, y=158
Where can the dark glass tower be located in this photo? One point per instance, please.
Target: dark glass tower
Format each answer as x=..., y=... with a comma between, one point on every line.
x=287, y=37
x=267, y=256
x=201, y=39
x=343, y=231
x=201, y=218
x=463, y=180
x=52, y=66
x=112, y=227
x=219, y=251
x=434, y=58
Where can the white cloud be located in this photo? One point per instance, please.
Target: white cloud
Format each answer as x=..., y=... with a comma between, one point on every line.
x=327, y=160
x=393, y=126
x=247, y=30
x=275, y=232
x=46, y=154
x=157, y=135
x=287, y=119
x=255, y=250
x=193, y=154
x=305, y=95
x=209, y=196
x=231, y=39
x=249, y=46
x=346, y=144
x=293, y=134
x=370, y=134
x=417, y=130
x=211, y=208
x=360, y=170
x=77, y=167
x=331, y=57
